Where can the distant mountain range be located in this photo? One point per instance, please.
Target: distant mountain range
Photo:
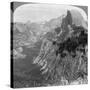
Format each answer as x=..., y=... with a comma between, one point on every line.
x=36, y=31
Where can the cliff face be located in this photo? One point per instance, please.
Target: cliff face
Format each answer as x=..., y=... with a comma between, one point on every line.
x=65, y=27
x=64, y=56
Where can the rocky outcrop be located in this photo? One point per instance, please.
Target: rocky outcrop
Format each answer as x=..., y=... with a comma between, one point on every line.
x=66, y=52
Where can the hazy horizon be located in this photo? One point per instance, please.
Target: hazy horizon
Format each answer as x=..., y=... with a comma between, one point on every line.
x=41, y=12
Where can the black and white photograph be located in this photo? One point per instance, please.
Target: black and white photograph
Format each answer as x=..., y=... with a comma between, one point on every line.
x=49, y=44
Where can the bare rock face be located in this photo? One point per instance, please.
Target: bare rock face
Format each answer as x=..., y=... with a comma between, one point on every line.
x=71, y=38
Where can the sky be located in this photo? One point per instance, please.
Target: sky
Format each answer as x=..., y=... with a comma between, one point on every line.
x=41, y=12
